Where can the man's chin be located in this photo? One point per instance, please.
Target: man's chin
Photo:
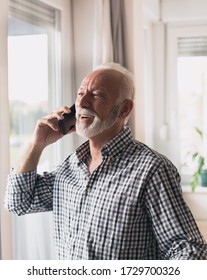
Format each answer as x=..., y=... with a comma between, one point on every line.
x=86, y=132
x=92, y=130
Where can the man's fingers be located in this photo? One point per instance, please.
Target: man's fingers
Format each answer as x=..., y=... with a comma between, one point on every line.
x=59, y=112
x=50, y=121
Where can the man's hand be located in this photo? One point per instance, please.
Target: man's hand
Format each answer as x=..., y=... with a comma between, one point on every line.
x=47, y=130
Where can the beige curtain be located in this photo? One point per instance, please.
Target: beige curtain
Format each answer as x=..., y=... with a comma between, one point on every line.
x=103, y=47
x=5, y=220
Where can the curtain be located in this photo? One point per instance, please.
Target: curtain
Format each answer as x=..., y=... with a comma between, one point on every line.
x=33, y=237
x=103, y=47
x=109, y=34
x=5, y=221
x=117, y=9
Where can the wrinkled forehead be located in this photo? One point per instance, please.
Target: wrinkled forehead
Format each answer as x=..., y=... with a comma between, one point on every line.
x=109, y=80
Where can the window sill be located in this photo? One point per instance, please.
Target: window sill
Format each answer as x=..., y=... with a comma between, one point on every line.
x=198, y=189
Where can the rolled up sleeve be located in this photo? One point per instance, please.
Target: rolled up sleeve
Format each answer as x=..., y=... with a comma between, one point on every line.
x=29, y=192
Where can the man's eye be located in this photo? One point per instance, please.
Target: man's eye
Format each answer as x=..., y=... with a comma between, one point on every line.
x=97, y=95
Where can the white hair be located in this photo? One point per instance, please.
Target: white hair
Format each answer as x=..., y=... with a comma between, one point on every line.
x=127, y=90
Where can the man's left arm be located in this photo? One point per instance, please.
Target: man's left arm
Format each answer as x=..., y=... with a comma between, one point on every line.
x=173, y=223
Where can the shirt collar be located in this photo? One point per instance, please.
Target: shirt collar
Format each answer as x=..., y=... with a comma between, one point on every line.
x=113, y=148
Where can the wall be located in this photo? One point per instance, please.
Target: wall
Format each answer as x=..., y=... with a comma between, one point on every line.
x=83, y=18
x=175, y=10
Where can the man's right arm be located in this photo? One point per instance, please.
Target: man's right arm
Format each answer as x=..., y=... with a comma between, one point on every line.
x=30, y=159
x=28, y=191
x=46, y=133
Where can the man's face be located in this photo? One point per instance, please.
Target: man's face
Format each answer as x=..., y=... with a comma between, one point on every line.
x=96, y=103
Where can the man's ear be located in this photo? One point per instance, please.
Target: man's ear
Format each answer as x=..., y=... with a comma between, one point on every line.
x=126, y=109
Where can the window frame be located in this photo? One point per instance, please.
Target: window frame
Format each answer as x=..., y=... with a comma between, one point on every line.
x=167, y=123
x=67, y=144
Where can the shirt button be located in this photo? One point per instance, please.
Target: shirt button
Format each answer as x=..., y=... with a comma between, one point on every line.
x=91, y=240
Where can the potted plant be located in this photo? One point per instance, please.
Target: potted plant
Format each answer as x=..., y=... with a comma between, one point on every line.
x=201, y=171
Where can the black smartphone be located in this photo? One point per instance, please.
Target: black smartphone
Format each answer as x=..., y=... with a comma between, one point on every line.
x=68, y=122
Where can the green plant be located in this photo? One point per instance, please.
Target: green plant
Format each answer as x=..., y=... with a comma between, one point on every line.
x=201, y=164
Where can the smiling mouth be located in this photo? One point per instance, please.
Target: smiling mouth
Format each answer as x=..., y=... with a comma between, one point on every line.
x=86, y=117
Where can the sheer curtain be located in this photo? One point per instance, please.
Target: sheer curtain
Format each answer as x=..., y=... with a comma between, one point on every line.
x=103, y=47
x=109, y=32
x=35, y=86
x=5, y=221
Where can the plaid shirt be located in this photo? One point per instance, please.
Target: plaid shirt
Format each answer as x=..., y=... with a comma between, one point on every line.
x=130, y=207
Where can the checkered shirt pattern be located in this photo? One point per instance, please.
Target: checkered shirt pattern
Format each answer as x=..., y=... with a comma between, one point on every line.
x=130, y=207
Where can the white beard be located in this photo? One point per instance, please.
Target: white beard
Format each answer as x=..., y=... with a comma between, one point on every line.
x=97, y=126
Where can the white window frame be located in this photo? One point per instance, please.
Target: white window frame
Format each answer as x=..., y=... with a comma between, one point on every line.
x=166, y=115
x=67, y=144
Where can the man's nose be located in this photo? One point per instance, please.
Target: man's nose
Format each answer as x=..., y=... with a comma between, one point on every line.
x=83, y=100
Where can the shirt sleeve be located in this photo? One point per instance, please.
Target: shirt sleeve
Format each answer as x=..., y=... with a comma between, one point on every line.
x=174, y=226
x=29, y=192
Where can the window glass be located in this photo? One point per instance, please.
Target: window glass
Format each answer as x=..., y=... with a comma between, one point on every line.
x=33, y=80
x=192, y=104
x=32, y=72
x=28, y=87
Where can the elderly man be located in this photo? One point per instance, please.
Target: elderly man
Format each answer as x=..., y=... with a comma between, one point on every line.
x=114, y=197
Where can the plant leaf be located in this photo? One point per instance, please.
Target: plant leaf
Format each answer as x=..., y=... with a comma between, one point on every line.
x=199, y=131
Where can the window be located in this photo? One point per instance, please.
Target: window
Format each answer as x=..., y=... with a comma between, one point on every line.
x=32, y=83
x=33, y=74
x=181, y=83
x=192, y=99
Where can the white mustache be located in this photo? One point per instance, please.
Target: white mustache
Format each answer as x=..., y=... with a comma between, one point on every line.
x=85, y=112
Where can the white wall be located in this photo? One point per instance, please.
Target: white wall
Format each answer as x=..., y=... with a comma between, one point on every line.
x=83, y=18
x=184, y=10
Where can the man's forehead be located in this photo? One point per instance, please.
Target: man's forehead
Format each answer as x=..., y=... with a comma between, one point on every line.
x=101, y=77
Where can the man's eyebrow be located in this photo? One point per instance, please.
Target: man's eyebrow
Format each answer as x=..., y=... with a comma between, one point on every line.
x=91, y=89
x=81, y=88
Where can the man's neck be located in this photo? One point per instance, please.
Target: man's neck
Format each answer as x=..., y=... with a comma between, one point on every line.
x=97, y=143
x=95, y=156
